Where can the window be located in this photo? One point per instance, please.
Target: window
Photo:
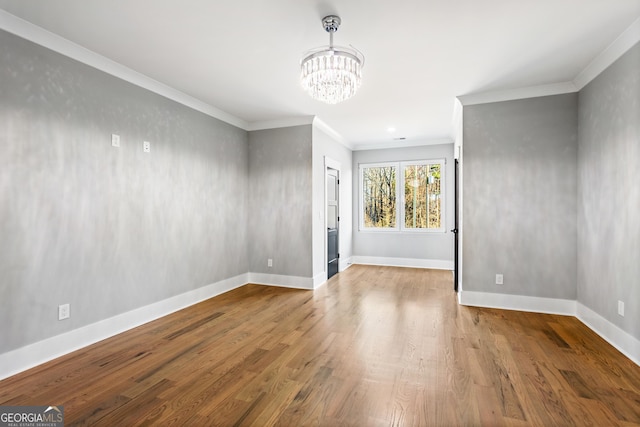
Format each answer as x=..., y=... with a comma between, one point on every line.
x=379, y=196
x=402, y=196
x=422, y=195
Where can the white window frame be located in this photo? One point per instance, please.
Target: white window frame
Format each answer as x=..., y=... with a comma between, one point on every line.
x=361, y=195
x=400, y=189
x=400, y=209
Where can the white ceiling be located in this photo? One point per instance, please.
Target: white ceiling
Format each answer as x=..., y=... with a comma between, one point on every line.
x=242, y=57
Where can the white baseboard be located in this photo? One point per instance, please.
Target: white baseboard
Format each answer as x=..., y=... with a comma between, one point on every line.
x=27, y=357
x=344, y=263
x=623, y=341
x=319, y=279
x=437, y=264
x=296, y=282
x=21, y=359
x=518, y=302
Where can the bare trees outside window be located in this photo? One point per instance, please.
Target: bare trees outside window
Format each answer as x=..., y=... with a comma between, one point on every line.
x=411, y=191
x=379, y=196
x=422, y=196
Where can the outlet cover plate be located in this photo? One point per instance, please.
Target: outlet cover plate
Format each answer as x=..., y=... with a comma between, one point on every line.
x=63, y=311
x=621, y=308
x=499, y=279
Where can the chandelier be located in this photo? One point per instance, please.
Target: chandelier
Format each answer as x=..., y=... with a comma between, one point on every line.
x=331, y=74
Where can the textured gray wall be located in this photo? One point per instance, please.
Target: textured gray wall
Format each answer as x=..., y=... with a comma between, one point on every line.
x=428, y=246
x=107, y=229
x=323, y=145
x=280, y=201
x=520, y=190
x=609, y=193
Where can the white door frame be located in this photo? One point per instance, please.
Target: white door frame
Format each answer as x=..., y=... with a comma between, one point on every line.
x=330, y=163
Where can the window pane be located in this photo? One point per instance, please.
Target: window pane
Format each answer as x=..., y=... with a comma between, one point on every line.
x=422, y=196
x=415, y=196
x=379, y=196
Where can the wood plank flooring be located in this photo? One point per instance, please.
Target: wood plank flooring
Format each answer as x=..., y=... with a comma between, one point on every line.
x=375, y=346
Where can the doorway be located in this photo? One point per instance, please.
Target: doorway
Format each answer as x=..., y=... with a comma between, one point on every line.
x=456, y=244
x=333, y=220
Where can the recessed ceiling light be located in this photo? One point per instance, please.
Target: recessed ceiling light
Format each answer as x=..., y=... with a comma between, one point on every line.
x=391, y=129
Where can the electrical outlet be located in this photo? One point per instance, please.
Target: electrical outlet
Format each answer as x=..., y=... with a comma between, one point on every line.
x=499, y=279
x=63, y=312
x=115, y=140
x=621, y=308
x=146, y=146
x=269, y=262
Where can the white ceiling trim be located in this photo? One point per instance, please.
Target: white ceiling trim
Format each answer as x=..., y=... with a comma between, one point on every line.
x=615, y=50
x=315, y=121
x=519, y=93
x=42, y=37
x=611, y=54
x=321, y=125
x=281, y=123
x=38, y=35
x=403, y=144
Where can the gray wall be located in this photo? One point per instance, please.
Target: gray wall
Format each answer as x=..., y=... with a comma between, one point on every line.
x=280, y=201
x=107, y=229
x=520, y=190
x=323, y=145
x=609, y=193
x=424, y=246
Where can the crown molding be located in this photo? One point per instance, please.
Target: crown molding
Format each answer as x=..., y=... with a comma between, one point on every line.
x=612, y=53
x=518, y=93
x=402, y=144
x=281, y=123
x=42, y=37
x=56, y=43
x=315, y=121
x=321, y=125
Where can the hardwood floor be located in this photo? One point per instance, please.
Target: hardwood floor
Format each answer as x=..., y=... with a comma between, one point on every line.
x=375, y=346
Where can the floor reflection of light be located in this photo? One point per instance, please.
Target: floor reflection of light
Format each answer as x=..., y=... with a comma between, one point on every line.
x=396, y=332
